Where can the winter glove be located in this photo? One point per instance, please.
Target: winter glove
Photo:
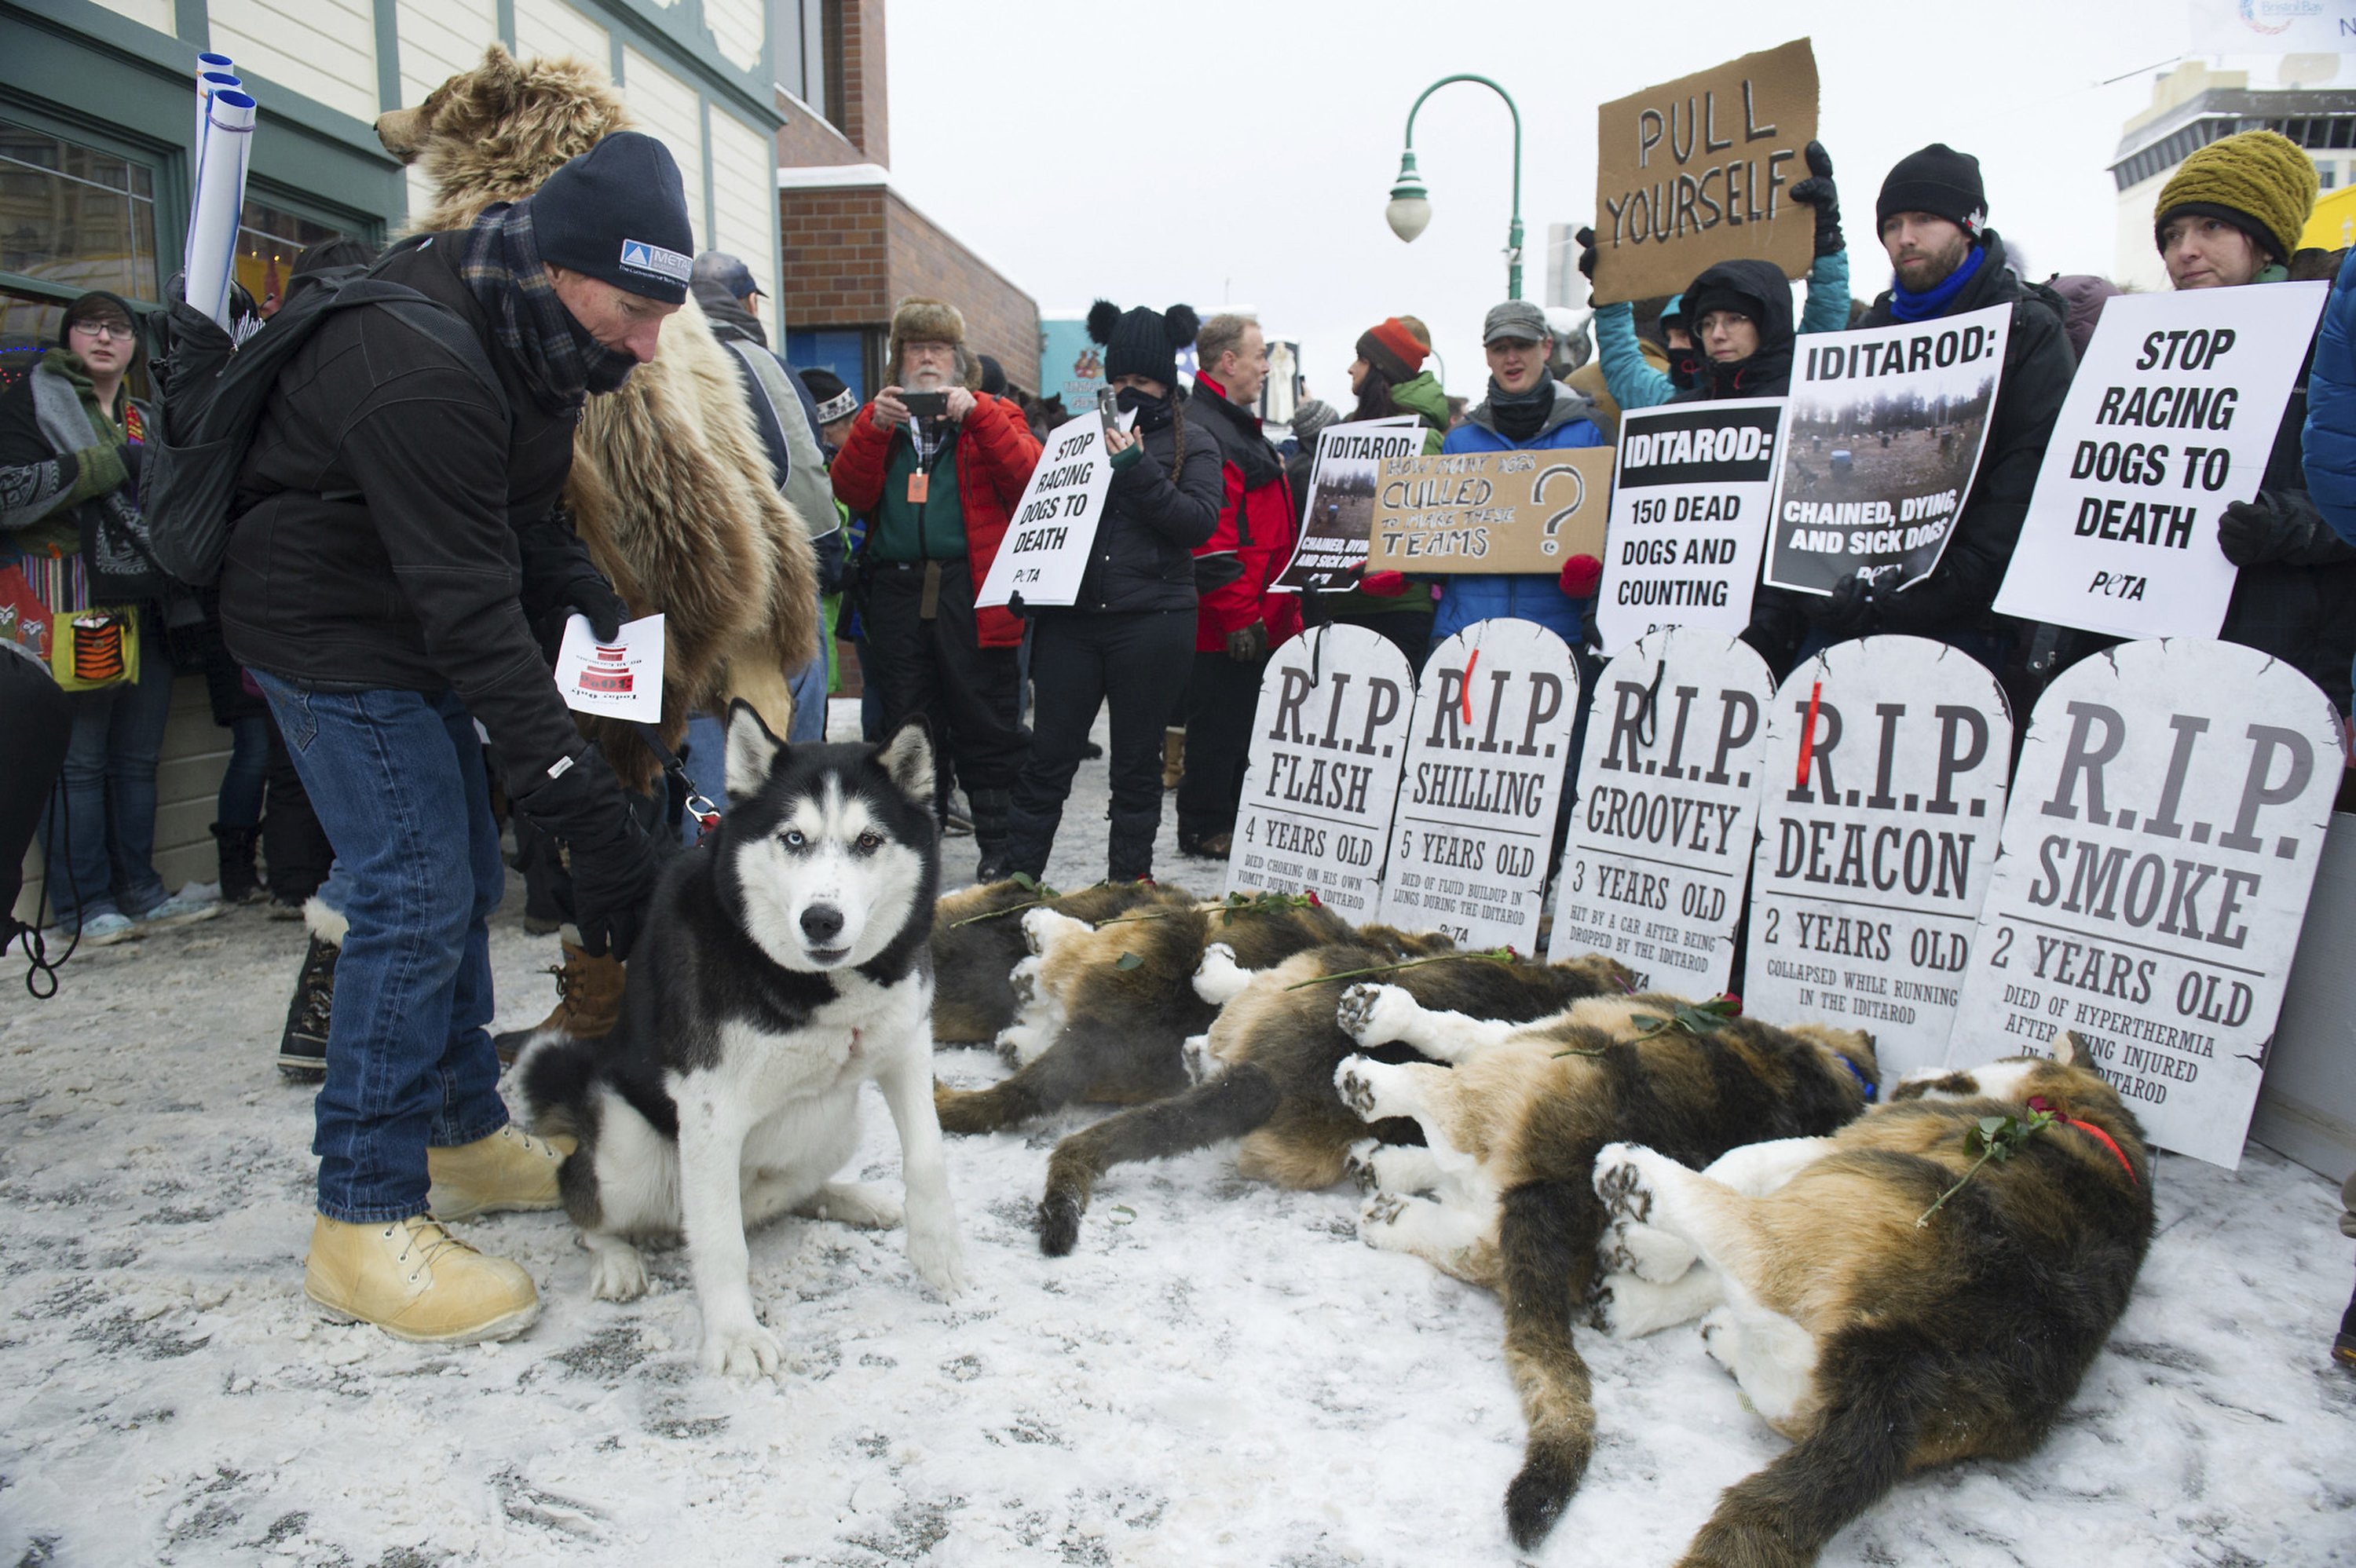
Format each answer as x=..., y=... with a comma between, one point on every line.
x=1850, y=609
x=2279, y=526
x=98, y=471
x=1819, y=192
x=1249, y=645
x=1580, y=576
x=587, y=595
x=612, y=860
x=1585, y=240
x=1384, y=584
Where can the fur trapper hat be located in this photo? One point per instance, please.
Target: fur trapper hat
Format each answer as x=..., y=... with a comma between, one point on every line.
x=1142, y=342
x=2261, y=182
x=920, y=320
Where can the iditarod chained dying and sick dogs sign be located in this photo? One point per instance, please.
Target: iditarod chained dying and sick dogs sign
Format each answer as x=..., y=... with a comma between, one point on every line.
x=2166, y=821
x=1880, y=804
x=1046, y=550
x=1521, y=511
x=1689, y=514
x=1485, y=765
x=1668, y=804
x=1340, y=517
x=1328, y=741
x=1881, y=442
x=2170, y=420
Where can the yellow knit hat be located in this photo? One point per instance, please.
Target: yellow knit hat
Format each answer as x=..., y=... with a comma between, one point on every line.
x=2260, y=182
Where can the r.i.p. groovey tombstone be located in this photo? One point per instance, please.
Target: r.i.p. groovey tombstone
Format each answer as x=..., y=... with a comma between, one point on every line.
x=2166, y=817
x=1880, y=805
x=1484, y=771
x=1668, y=804
x=1328, y=742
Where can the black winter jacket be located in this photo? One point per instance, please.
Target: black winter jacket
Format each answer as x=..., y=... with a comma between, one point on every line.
x=1143, y=555
x=392, y=526
x=1768, y=372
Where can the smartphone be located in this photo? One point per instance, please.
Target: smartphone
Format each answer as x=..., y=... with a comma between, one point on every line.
x=1108, y=407
x=927, y=405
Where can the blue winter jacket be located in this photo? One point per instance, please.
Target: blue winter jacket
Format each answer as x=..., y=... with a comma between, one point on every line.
x=1635, y=384
x=1535, y=596
x=2328, y=444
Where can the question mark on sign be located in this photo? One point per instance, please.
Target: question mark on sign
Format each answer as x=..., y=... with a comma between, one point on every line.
x=1538, y=498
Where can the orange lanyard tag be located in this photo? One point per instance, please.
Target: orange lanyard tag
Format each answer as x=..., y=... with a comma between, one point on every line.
x=920, y=483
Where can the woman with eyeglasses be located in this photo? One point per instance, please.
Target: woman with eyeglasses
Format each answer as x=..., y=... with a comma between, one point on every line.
x=70, y=452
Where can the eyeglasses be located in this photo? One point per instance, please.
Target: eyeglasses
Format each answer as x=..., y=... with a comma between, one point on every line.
x=105, y=329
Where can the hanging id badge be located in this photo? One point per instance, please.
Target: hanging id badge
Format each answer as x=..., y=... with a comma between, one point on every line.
x=920, y=483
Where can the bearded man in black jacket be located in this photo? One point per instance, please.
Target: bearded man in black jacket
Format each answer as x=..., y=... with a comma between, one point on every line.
x=394, y=545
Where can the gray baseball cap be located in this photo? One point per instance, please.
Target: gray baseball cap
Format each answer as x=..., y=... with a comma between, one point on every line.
x=1515, y=318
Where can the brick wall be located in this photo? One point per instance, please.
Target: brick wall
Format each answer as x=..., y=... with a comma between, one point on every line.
x=866, y=107
x=1000, y=320
x=836, y=267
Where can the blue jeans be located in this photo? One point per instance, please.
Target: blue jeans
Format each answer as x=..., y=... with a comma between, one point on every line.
x=101, y=858
x=808, y=685
x=397, y=778
x=240, y=804
x=707, y=762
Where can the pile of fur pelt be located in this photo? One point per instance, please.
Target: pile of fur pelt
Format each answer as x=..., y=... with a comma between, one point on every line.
x=1894, y=1279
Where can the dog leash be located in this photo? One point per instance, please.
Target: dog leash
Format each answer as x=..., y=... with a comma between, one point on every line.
x=2045, y=1107
x=698, y=805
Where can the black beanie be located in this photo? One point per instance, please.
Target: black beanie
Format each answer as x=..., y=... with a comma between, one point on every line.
x=1142, y=342
x=1940, y=181
x=619, y=213
x=835, y=401
x=96, y=305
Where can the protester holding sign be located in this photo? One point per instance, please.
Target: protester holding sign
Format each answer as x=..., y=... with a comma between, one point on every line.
x=1389, y=379
x=1126, y=639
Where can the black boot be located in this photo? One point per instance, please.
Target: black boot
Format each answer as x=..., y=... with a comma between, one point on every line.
x=303, y=1049
x=239, y=885
x=993, y=808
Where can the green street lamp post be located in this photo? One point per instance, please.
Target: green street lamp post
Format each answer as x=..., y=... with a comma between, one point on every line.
x=1410, y=206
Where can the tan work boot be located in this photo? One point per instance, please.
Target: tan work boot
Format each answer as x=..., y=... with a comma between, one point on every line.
x=1173, y=757
x=417, y=1282
x=510, y=1170
x=588, y=1004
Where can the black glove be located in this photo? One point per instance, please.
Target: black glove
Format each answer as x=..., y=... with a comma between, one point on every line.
x=1819, y=192
x=587, y=595
x=2279, y=526
x=613, y=860
x=1247, y=644
x=1850, y=609
x=1585, y=239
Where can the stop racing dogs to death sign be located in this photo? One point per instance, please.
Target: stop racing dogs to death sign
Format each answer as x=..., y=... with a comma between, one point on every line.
x=1688, y=514
x=2166, y=823
x=1881, y=442
x=1046, y=550
x=2170, y=419
x=1328, y=741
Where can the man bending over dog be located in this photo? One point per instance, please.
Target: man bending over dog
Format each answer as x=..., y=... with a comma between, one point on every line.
x=392, y=517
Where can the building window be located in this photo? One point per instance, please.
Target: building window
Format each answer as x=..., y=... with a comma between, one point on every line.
x=268, y=241
x=75, y=216
x=809, y=40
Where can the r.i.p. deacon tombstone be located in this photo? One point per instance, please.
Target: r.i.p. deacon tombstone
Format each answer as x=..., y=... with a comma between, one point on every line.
x=2166, y=817
x=1879, y=803
x=1485, y=765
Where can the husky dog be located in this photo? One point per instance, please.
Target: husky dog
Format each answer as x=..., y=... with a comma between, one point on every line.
x=1880, y=1341
x=977, y=946
x=1511, y=1132
x=785, y=964
x=1098, y=1032
x=1274, y=1045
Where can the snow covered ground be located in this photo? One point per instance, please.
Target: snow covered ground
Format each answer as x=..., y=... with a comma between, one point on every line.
x=1221, y=1373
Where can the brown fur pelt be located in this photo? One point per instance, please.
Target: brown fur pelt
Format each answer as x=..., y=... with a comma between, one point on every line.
x=978, y=941
x=670, y=484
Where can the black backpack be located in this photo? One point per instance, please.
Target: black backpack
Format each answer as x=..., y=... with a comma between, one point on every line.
x=213, y=386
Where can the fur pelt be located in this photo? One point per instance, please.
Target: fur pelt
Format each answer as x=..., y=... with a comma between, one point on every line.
x=978, y=944
x=670, y=483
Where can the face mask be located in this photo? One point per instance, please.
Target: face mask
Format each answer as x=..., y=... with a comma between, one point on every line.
x=1152, y=412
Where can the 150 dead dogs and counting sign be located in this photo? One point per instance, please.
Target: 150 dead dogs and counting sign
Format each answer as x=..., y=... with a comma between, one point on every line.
x=1485, y=766
x=1879, y=814
x=1328, y=740
x=1661, y=834
x=1688, y=512
x=2166, y=818
x=2170, y=420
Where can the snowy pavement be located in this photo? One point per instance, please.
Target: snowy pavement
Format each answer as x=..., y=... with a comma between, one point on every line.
x=1221, y=1373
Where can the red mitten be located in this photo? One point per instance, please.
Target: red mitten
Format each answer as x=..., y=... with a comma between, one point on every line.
x=1581, y=574
x=1384, y=584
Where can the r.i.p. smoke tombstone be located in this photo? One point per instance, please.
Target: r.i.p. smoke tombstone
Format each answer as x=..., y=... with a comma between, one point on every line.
x=1880, y=805
x=1484, y=765
x=1328, y=742
x=1668, y=804
x=2166, y=817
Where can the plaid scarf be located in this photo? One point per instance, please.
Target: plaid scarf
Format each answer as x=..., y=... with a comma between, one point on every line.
x=561, y=364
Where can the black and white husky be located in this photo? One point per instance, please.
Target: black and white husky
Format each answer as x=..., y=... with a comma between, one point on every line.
x=785, y=963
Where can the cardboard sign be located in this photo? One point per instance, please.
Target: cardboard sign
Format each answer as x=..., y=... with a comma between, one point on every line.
x=1699, y=170
x=2170, y=419
x=1046, y=551
x=620, y=680
x=1878, y=814
x=1688, y=518
x=1661, y=835
x=1485, y=765
x=1328, y=739
x=1492, y=511
x=2166, y=820
x=1340, y=511
x=1882, y=443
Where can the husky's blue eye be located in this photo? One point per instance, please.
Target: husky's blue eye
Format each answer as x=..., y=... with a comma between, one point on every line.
x=792, y=837
x=870, y=842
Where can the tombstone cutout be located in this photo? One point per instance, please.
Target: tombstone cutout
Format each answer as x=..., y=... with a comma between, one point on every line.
x=2167, y=820
x=1484, y=768
x=1661, y=834
x=1329, y=738
x=1880, y=805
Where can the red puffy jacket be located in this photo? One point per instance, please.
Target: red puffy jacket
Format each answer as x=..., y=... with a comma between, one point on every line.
x=995, y=454
x=1267, y=512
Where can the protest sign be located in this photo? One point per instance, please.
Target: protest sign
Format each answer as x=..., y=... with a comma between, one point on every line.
x=1328, y=739
x=1661, y=834
x=620, y=680
x=1881, y=444
x=1699, y=170
x=1878, y=809
x=1484, y=765
x=1340, y=513
x=2167, y=820
x=1492, y=511
x=1046, y=550
x=2273, y=27
x=1688, y=518
x=2170, y=419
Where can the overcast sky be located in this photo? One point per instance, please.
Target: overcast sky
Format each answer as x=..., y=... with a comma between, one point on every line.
x=1242, y=151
